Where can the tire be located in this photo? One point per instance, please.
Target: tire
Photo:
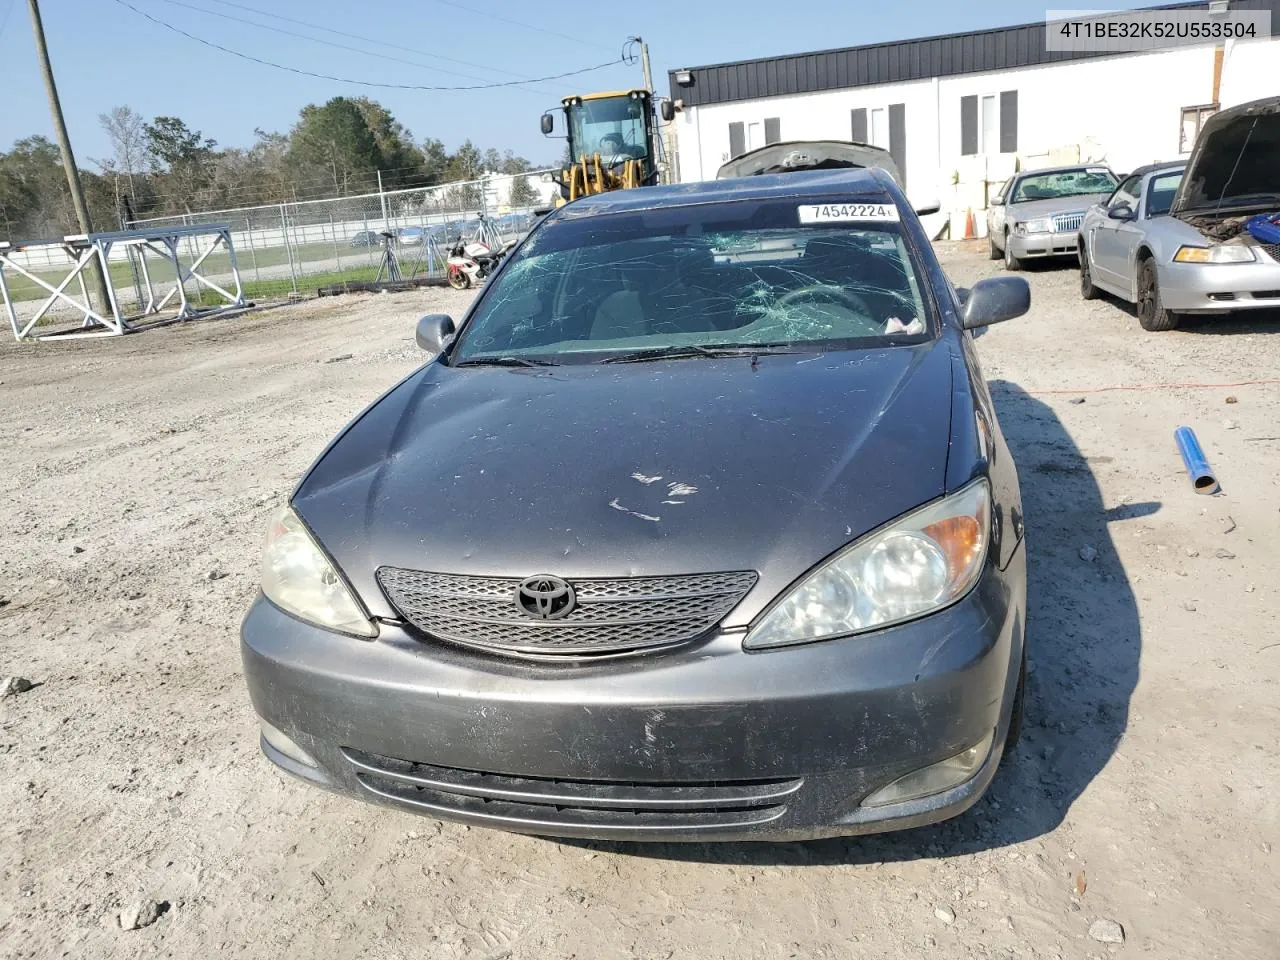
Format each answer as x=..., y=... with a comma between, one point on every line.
x=1087, y=290
x=459, y=280
x=993, y=252
x=1151, y=312
x=1010, y=261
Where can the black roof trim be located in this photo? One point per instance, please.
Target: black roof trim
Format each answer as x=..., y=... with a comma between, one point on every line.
x=898, y=61
x=1147, y=168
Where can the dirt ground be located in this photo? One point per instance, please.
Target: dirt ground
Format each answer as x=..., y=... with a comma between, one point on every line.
x=139, y=474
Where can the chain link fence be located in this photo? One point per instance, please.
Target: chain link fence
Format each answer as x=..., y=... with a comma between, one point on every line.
x=294, y=249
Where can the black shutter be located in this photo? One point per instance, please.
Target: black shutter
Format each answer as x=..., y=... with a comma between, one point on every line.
x=968, y=126
x=1009, y=121
x=772, y=129
x=860, y=125
x=898, y=137
x=737, y=140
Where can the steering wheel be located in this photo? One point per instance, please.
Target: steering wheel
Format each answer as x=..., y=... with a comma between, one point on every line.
x=828, y=292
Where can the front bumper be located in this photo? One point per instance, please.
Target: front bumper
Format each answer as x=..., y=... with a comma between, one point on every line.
x=1219, y=287
x=704, y=743
x=1029, y=246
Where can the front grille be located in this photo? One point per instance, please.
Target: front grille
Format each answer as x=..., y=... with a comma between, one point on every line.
x=611, y=616
x=1273, y=250
x=1067, y=222
x=533, y=802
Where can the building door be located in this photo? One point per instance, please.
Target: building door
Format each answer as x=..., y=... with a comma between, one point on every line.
x=755, y=136
x=990, y=126
x=880, y=127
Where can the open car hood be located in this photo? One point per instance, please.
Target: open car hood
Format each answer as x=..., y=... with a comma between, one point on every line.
x=1234, y=163
x=794, y=155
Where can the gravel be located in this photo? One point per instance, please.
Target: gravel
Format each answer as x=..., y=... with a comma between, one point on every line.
x=142, y=913
x=136, y=769
x=12, y=686
x=1106, y=931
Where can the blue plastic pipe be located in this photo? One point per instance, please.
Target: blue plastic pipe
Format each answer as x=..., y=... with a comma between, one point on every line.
x=1198, y=469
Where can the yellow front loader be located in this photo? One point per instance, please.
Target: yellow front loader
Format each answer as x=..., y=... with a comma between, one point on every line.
x=613, y=142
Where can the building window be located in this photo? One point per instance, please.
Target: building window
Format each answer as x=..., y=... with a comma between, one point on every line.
x=1193, y=119
x=737, y=140
x=989, y=124
x=859, y=121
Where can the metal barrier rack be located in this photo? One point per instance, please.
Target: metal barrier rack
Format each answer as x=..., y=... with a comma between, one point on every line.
x=84, y=250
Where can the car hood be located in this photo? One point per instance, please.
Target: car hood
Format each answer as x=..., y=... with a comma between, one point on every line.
x=672, y=467
x=1034, y=209
x=1234, y=157
x=795, y=155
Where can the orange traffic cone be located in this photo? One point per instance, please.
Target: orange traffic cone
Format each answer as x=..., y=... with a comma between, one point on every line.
x=970, y=231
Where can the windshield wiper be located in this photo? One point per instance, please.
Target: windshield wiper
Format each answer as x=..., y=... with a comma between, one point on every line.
x=693, y=350
x=505, y=362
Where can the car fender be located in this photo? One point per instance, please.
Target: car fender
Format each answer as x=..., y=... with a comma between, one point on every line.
x=1161, y=238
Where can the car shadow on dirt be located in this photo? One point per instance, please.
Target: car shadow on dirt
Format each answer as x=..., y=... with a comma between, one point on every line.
x=1249, y=321
x=1254, y=321
x=1084, y=640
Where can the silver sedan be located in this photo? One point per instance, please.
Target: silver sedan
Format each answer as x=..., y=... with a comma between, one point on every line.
x=1038, y=212
x=1174, y=239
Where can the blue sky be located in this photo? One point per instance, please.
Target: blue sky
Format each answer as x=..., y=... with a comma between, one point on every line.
x=105, y=55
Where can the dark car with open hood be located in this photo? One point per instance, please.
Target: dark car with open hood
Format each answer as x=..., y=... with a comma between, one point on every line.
x=699, y=525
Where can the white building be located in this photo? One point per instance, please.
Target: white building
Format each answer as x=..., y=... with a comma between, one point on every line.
x=961, y=112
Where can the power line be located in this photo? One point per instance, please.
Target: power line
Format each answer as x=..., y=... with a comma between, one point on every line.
x=360, y=83
x=4, y=21
x=355, y=36
x=330, y=43
x=518, y=23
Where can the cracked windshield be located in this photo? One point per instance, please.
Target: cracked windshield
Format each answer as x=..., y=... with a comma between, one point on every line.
x=1064, y=183
x=667, y=282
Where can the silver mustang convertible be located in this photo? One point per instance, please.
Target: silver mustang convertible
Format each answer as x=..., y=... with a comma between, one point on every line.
x=1038, y=212
x=1177, y=243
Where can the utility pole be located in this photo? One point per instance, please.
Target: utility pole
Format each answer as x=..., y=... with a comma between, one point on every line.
x=64, y=145
x=644, y=64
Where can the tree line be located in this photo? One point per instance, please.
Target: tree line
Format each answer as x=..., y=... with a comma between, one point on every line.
x=162, y=167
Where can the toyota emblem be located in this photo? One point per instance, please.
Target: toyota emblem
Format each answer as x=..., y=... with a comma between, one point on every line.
x=545, y=598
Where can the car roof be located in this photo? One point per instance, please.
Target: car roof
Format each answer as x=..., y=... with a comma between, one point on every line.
x=1158, y=167
x=799, y=185
x=1060, y=169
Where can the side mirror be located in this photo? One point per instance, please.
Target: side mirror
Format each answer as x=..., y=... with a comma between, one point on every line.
x=924, y=209
x=548, y=124
x=1121, y=211
x=962, y=295
x=434, y=333
x=667, y=110
x=996, y=202
x=995, y=300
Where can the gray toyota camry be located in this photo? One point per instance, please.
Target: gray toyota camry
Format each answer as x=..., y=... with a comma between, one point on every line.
x=699, y=525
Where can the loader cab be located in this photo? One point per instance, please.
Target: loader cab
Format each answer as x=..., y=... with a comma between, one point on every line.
x=618, y=128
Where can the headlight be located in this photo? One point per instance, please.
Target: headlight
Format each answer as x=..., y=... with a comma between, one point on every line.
x=299, y=578
x=1222, y=253
x=917, y=564
x=1043, y=225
